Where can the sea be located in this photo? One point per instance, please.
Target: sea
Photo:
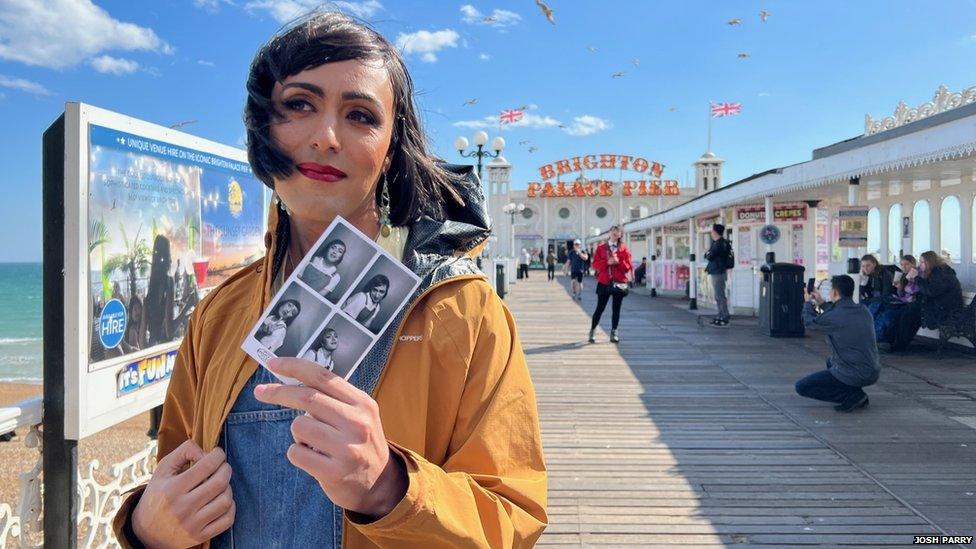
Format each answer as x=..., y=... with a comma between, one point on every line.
x=21, y=330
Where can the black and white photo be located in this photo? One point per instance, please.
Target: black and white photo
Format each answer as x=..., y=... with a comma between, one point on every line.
x=380, y=293
x=339, y=346
x=334, y=265
x=290, y=321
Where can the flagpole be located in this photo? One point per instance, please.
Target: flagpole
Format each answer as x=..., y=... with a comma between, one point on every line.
x=709, y=148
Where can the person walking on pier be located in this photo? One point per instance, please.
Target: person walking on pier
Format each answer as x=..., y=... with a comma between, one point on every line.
x=612, y=264
x=853, y=362
x=551, y=264
x=577, y=264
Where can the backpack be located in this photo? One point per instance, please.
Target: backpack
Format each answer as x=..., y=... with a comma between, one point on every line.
x=729, y=262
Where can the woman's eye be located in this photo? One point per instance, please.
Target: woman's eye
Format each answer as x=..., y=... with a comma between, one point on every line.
x=363, y=117
x=298, y=105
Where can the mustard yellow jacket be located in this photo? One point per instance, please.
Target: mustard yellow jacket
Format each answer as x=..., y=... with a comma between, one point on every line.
x=455, y=399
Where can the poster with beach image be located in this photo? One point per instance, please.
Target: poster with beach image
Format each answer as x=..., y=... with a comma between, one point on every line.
x=374, y=286
x=165, y=224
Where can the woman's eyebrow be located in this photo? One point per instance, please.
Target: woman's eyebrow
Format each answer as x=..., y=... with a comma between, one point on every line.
x=305, y=86
x=346, y=96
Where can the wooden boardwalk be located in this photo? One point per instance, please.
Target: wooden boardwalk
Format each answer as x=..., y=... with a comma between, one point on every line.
x=690, y=436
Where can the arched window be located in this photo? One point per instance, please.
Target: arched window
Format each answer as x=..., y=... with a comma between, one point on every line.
x=894, y=233
x=874, y=232
x=950, y=229
x=921, y=228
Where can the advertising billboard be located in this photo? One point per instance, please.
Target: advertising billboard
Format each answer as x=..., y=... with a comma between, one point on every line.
x=154, y=219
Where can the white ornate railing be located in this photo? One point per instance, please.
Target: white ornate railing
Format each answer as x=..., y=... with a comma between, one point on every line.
x=941, y=102
x=20, y=526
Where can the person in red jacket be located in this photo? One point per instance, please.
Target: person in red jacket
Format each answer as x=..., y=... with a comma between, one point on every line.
x=612, y=264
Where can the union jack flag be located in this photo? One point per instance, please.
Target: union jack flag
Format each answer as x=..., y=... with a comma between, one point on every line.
x=725, y=109
x=509, y=116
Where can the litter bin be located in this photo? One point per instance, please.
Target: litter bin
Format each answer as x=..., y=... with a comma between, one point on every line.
x=500, y=279
x=781, y=300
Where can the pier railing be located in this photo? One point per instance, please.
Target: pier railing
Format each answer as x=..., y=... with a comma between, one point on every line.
x=20, y=524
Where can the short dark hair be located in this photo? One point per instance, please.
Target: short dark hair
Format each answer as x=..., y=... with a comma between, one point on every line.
x=719, y=228
x=844, y=285
x=324, y=251
x=418, y=184
x=376, y=282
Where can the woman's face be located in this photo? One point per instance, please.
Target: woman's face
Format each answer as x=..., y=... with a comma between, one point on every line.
x=378, y=293
x=867, y=267
x=337, y=126
x=287, y=310
x=330, y=340
x=335, y=252
x=615, y=233
x=906, y=266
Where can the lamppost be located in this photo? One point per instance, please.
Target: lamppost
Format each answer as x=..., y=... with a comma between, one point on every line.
x=480, y=139
x=511, y=209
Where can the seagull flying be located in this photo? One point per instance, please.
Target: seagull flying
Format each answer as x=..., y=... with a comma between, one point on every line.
x=672, y=109
x=764, y=15
x=533, y=149
x=744, y=55
x=524, y=142
x=734, y=22
x=591, y=49
x=546, y=10
x=636, y=61
x=489, y=19
x=617, y=74
x=470, y=102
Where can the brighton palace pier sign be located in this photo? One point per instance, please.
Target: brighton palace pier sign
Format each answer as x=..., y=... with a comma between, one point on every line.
x=582, y=187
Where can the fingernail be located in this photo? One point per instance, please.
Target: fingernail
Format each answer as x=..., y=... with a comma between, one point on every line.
x=259, y=390
x=273, y=363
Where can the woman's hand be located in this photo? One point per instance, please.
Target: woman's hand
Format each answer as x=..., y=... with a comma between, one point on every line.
x=912, y=274
x=185, y=508
x=612, y=259
x=340, y=439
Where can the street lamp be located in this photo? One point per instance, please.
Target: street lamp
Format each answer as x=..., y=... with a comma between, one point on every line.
x=511, y=209
x=480, y=139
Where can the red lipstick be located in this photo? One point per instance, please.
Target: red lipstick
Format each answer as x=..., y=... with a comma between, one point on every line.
x=320, y=172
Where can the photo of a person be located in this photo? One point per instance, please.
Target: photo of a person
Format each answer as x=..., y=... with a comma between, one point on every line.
x=339, y=346
x=322, y=272
x=322, y=351
x=364, y=305
x=273, y=330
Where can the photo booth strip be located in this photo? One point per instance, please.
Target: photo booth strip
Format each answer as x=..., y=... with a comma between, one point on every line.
x=400, y=275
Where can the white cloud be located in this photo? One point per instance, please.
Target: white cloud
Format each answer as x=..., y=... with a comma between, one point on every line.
x=484, y=57
x=587, y=125
x=113, y=65
x=498, y=18
x=23, y=85
x=529, y=120
x=206, y=63
x=427, y=43
x=764, y=94
x=62, y=33
x=208, y=5
x=285, y=11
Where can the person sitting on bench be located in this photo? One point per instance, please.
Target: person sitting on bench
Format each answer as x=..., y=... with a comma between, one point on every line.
x=853, y=362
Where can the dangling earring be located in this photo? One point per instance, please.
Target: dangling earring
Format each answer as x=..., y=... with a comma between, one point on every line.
x=280, y=203
x=385, y=225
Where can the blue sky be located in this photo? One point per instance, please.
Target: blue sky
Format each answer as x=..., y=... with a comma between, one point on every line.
x=814, y=70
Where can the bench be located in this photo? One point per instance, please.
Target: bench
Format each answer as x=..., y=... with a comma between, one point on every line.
x=961, y=323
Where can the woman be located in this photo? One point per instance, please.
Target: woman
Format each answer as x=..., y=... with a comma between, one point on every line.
x=612, y=264
x=434, y=441
x=322, y=271
x=890, y=327
x=273, y=330
x=364, y=305
x=938, y=288
x=876, y=281
x=939, y=294
x=323, y=350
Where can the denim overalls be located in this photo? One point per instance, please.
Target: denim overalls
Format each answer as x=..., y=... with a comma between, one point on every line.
x=278, y=504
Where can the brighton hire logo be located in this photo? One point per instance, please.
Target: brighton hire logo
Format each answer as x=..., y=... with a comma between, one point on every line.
x=111, y=324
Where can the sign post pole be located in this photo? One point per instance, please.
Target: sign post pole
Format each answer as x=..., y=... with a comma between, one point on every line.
x=59, y=454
